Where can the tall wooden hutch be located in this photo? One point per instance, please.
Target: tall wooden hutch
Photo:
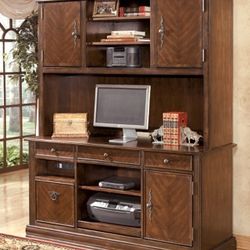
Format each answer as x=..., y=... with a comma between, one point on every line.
x=185, y=193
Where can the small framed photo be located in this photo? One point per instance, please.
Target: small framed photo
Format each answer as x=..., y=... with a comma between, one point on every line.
x=105, y=8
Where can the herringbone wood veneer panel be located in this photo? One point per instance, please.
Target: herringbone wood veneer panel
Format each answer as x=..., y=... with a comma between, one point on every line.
x=170, y=217
x=60, y=210
x=59, y=21
x=182, y=33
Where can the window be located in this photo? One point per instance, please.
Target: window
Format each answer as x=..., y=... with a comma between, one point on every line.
x=17, y=104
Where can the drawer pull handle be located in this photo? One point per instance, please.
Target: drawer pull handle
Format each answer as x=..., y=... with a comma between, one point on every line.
x=106, y=156
x=52, y=150
x=53, y=195
x=165, y=161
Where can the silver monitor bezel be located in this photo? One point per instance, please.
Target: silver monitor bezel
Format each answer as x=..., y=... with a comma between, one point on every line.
x=113, y=125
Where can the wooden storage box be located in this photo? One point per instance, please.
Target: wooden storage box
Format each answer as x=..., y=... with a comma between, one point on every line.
x=70, y=125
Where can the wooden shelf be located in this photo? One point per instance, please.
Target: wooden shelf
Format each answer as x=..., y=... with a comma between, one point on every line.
x=118, y=43
x=55, y=179
x=130, y=18
x=54, y=158
x=131, y=192
x=112, y=228
x=124, y=71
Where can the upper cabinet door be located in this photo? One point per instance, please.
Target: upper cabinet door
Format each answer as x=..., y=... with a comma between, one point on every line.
x=169, y=207
x=61, y=27
x=177, y=32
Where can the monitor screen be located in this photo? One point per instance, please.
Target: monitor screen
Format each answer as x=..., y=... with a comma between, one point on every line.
x=122, y=106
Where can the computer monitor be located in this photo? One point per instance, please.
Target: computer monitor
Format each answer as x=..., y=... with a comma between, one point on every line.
x=122, y=106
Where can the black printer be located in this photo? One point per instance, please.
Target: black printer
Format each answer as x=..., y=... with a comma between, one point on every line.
x=116, y=209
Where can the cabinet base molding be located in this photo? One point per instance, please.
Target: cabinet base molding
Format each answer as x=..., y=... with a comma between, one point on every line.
x=95, y=240
x=243, y=242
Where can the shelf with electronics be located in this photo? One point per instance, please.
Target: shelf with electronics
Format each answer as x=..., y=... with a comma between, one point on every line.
x=118, y=31
x=187, y=62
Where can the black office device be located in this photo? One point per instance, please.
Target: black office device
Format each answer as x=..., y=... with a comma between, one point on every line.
x=115, y=209
x=117, y=182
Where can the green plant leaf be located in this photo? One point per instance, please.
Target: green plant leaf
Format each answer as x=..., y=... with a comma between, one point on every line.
x=25, y=52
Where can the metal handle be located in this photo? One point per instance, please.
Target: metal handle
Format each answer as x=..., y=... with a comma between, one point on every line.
x=162, y=31
x=165, y=161
x=69, y=122
x=149, y=204
x=75, y=33
x=106, y=156
x=53, y=195
x=52, y=150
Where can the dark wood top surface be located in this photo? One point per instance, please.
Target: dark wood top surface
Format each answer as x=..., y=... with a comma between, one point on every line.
x=124, y=71
x=141, y=143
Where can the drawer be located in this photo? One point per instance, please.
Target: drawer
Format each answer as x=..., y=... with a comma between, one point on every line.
x=109, y=155
x=54, y=150
x=168, y=161
x=55, y=203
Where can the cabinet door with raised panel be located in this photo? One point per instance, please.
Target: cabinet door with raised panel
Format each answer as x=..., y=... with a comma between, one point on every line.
x=177, y=32
x=61, y=26
x=168, y=208
x=55, y=202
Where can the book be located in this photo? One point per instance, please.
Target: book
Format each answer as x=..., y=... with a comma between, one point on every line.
x=144, y=40
x=133, y=39
x=166, y=128
x=135, y=9
x=124, y=36
x=121, y=11
x=137, y=14
x=173, y=123
x=179, y=121
x=127, y=32
x=130, y=9
x=143, y=8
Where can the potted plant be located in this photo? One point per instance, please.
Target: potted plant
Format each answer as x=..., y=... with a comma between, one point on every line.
x=25, y=52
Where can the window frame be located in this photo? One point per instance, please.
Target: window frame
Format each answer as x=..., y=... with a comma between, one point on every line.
x=4, y=139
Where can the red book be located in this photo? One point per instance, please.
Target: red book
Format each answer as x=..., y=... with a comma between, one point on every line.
x=121, y=11
x=179, y=121
x=134, y=11
x=173, y=122
x=144, y=9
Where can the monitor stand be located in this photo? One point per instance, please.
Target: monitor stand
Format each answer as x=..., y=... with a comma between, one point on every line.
x=128, y=135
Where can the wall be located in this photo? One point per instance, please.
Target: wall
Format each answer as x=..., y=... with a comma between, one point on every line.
x=242, y=117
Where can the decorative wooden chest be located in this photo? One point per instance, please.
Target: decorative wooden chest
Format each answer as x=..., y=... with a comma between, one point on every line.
x=70, y=125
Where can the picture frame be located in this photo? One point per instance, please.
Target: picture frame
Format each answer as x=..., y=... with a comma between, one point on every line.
x=105, y=8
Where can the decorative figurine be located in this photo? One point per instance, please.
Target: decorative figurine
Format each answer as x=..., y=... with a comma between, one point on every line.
x=189, y=135
x=157, y=136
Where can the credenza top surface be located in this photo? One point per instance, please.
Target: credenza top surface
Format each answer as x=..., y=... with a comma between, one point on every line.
x=139, y=144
